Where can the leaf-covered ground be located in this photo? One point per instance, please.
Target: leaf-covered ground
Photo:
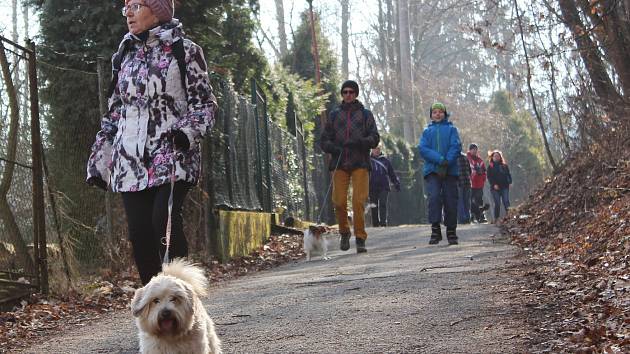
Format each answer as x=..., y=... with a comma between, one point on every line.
x=38, y=315
x=575, y=235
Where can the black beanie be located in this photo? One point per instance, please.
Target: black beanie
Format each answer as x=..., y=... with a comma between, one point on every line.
x=472, y=146
x=351, y=84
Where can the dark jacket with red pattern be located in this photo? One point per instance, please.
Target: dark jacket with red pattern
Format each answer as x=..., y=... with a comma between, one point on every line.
x=349, y=134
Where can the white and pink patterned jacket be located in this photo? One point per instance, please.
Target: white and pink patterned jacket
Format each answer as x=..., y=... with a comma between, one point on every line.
x=131, y=151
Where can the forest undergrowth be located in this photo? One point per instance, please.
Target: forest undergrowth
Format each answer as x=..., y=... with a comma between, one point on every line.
x=575, y=237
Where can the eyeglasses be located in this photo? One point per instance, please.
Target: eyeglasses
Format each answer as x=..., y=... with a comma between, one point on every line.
x=135, y=8
x=347, y=92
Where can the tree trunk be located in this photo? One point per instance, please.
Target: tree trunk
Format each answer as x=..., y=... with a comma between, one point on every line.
x=405, y=70
x=614, y=38
x=345, y=18
x=282, y=34
x=552, y=161
x=12, y=229
x=590, y=55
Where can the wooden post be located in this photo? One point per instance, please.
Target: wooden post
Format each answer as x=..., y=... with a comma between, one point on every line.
x=39, y=208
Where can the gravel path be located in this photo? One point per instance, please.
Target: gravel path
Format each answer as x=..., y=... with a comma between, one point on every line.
x=403, y=296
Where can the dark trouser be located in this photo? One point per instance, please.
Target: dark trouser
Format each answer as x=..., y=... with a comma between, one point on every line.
x=442, y=195
x=476, y=203
x=501, y=195
x=147, y=215
x=463, y=205
x=379, y=211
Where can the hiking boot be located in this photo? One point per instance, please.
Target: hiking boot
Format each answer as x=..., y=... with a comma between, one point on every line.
x=360, y=245
x=436, y=234
x=451, y=237
x=344, y=245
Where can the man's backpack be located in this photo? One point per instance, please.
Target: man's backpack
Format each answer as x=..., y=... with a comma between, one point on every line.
x=178, y=53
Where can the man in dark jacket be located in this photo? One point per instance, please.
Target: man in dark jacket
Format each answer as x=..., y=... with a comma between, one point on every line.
x=349, y=134
x=463, y=184
x=381, y=176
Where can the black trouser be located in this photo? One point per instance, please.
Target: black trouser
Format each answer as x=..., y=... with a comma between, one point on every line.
x=147, y=215
x=379, y=212
x=476, y=203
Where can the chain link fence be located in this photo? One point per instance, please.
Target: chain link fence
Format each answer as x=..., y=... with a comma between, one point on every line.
x=250, y=163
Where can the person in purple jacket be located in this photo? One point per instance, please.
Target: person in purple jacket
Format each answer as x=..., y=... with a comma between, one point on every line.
x=381, y=176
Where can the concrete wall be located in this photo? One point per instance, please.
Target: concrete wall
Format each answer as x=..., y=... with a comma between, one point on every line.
x=241, y=232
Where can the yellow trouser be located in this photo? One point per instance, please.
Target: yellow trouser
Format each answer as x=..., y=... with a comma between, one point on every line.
x=360, y=188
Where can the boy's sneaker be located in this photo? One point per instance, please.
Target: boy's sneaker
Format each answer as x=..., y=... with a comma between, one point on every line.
x=451, y=236
x=344, y=245
x=436, y=234
x=360, y=245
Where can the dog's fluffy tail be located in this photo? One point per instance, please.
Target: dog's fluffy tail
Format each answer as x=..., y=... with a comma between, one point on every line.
x=190, y=273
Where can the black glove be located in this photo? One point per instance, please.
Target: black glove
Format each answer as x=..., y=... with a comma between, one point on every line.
x=478, y=169
x=336, y=150
x=352, y=143
x=97, y=182
x=397, y=187
x=442, y=169
x=178, y=138
x=180, y=141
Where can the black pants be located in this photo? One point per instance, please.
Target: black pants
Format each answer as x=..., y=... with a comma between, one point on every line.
x=147, y=215
x=379, y=212
x=476, y=203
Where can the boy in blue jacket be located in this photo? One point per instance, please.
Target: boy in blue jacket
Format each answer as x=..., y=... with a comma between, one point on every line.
x=440, y=147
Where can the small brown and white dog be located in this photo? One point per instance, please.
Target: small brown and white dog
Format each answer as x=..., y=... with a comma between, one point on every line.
x=314, y=241
x=170, y=315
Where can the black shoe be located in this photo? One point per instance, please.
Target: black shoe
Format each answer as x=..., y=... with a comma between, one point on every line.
x=436, y=234
x=485, y=207
x=344, y=245
x=451, y=236
x=360, y=245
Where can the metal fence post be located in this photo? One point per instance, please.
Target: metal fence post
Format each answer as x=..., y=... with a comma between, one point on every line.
x=268, y=165
x=299, y=130
x=259, y=179
x=102, y=101
x=39, y=208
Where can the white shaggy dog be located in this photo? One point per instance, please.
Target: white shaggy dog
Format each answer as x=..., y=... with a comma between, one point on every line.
x=169, y=313
x=314, y=241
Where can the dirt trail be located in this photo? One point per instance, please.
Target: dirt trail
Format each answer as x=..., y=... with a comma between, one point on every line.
x=402, y=297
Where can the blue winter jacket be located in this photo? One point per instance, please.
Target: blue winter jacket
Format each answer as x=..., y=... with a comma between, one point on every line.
x=440, y=141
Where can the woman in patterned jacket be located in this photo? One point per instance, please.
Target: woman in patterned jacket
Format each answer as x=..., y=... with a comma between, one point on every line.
x=152, y=131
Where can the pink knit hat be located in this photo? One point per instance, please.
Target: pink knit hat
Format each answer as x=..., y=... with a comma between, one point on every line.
x=162, y=9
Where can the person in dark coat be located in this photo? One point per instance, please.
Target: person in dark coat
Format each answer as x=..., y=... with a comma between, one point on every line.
x=349, y=134
x=382, y=175
x=463, y=184
x=500, y=181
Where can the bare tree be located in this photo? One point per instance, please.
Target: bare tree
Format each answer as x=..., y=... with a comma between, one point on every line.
x=282, y=34
x=541, y=126
x=405, y=69
x=8, y=219
x=589, y=51
x=345, y=18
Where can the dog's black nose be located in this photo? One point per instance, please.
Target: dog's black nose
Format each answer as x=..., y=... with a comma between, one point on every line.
x=165, y=313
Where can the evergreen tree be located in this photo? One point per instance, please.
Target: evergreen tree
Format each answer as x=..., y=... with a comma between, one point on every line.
x=299, y=60
x=523, y=148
